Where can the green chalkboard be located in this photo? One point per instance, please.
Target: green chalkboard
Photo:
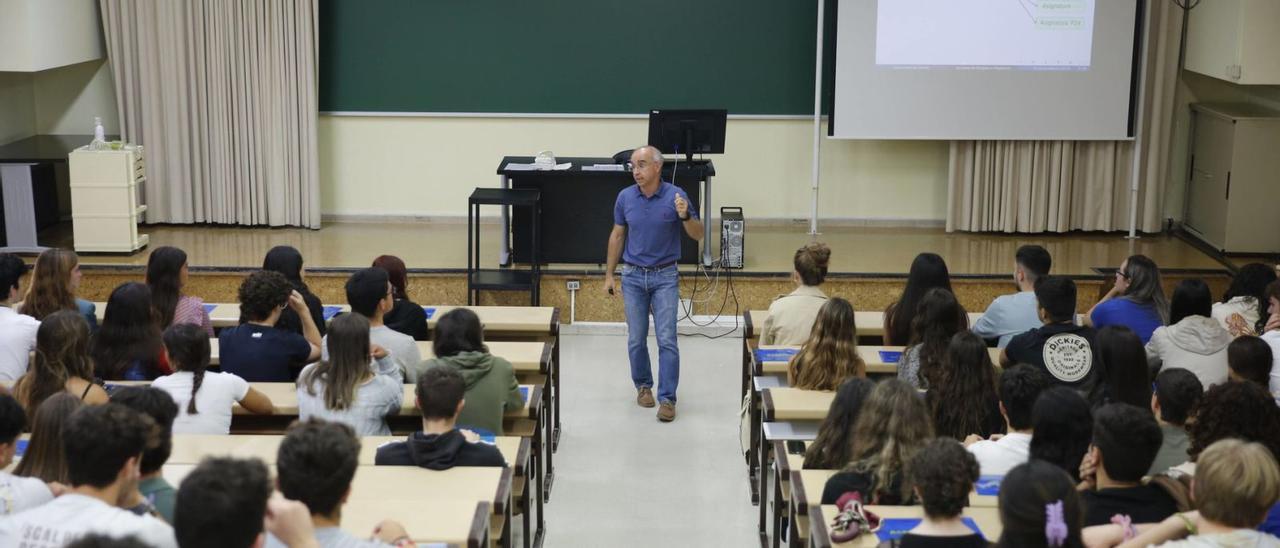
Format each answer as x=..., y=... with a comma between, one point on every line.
x=567, y=56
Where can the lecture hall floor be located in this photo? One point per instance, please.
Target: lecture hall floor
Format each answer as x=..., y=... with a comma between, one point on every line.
x=443, y=245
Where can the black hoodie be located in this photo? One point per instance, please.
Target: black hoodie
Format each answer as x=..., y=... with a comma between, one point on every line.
x=438, y=452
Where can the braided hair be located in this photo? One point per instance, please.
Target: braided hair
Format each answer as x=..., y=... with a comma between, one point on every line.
x=188, y=347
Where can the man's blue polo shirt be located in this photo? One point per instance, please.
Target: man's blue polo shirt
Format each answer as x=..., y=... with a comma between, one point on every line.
x=653, y=228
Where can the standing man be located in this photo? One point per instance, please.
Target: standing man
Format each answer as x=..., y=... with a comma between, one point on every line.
x=649, y=218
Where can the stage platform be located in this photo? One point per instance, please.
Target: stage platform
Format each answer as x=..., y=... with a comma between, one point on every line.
x=868, y=264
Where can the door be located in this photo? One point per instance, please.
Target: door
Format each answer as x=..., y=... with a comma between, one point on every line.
x=1213, y=139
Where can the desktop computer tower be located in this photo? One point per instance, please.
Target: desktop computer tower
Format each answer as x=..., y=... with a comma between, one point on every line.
x=732, y=238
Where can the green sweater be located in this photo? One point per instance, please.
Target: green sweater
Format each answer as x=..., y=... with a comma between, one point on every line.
x=491, y=389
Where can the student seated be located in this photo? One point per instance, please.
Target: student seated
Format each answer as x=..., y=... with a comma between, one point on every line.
x=370, y=295
x=19, y=493
x=54, y=283
x=204, y=398
x=1020, y=386
x=1243, y=309
x=315, y=465
x=440, y=445
x=1062, y=428
x=128, y=347
x=938, y=318
x=287, y=261
x=166, y=275
x=1135, y=301
x=832, y=449
x=893, y=425
x=1064, y=350
x=1192, y=340
x=258, y=351
x=492, y=389
x=154, y=495
x=226, y=503
x=104, y=445
x=1235, y=486
x=45, y=458
x=928, y=271
x=61, y=363
x=964, y=401
x=1125, y=442
x=1249, y=359
x=344, y=388
x=830, y=355
x=942, y=475
x=1123, y=375
x=1239, y=410
x=1271, y=334
x=791, y=316
x=405, y=316
x=1176, y=397
x=1039, y=508
x=17, y=331
x=1015, y=314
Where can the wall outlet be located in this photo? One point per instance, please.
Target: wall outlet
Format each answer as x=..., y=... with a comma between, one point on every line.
x=574, y=285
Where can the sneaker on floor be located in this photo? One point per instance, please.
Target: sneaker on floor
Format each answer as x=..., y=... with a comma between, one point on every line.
x=645, y=397
x=667, y=411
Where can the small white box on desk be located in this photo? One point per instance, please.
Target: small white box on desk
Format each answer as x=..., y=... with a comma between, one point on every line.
x=106, y=199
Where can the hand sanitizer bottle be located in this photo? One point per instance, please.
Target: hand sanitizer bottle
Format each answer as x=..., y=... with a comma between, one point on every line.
x=99, y=135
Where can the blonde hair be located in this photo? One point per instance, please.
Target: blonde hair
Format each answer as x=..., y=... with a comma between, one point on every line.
x=830, y=356
x=893, y=425
x=1236, y=483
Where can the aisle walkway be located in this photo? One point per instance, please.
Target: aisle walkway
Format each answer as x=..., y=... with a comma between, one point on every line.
x=623, y=478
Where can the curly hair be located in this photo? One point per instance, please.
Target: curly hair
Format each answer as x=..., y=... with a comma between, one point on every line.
x=944, y=473
x=891, y=427
x=261, y=293
x=1241, y=410
x=963, y=397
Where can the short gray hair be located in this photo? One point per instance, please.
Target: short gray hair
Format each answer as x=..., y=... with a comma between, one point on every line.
x=657, y=154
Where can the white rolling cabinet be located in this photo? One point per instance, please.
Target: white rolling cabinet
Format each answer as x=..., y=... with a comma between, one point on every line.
x=1234, y=180
x=106, y=199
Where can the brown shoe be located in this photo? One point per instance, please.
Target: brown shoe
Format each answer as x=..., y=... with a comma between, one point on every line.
x=645, y=397
x=667, y=411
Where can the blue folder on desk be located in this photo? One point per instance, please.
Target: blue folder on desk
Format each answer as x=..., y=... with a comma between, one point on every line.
x=524, y=393
x=988, y=485
x=430, y=310
x=331, y=311
x=890, y=356
x=209, y=308
x=22, y=447
x=894, y=528
x=775, y=354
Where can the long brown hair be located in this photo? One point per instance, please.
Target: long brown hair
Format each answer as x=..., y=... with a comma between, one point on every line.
x=831, y=354
x=834, y=443
x=44, y=458
x=938, y=317
x=348, y=363
x=964, y=396
x=892, y=426
x=50, y=289
x=164, y=277
x=62, y=353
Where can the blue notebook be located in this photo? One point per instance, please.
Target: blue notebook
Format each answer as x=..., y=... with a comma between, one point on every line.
x=430, y=310
x=22, y=447
x=894, y=528
x=775, y=354
x=988, y=485
x=331, y=311
x=524, y=393
x=890, y=356
x=485, y=435
x=208, y=308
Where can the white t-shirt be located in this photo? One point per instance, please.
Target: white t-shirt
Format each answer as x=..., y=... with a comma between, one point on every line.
x=17, y=340
x=218, y=392
x=18, y=493
x=1240, y=538
x=997, y=458
x=72, y=516
x=1272, y=338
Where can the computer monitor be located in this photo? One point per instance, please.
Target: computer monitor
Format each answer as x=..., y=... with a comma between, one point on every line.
x=687, y=132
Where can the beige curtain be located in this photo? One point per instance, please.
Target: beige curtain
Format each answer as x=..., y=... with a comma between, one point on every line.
x=222, y=93
x=1057, y=186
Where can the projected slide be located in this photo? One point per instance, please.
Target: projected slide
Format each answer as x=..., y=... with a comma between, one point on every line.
x=975, y=34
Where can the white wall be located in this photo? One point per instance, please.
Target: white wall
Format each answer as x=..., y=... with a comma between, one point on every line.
x=17, y=106
x=68, y=98
x=37, y=35
x=427, y=166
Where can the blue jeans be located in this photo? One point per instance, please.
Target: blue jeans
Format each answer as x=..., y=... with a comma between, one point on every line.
x=657, y=291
